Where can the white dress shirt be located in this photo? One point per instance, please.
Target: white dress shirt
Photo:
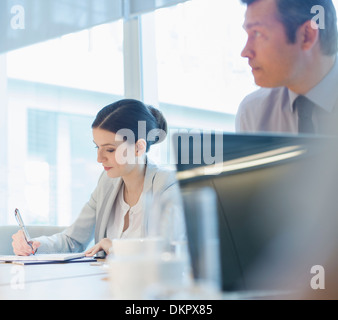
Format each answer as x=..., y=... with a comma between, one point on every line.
x=116, y=219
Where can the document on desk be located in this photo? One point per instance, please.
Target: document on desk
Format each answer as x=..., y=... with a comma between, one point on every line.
x=46, y=258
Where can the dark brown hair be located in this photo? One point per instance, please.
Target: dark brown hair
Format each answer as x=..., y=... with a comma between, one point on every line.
x=126, y=114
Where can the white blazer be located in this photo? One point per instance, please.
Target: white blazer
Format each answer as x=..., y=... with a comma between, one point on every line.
x=93, y=219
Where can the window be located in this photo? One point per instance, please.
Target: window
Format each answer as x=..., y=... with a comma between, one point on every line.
x=54, y=89
x=61, y=169
x=202, y=58
x=193, y=60
x=198, y=45
x=89, y=60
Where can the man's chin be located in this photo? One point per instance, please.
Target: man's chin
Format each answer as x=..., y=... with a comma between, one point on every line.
x=265, y=84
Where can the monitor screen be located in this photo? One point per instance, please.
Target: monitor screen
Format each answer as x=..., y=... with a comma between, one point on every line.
x=249, y=175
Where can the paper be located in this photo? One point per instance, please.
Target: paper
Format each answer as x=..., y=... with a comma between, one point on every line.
x=43, y=257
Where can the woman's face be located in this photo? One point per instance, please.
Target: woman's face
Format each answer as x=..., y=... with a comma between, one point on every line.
x=118, y=157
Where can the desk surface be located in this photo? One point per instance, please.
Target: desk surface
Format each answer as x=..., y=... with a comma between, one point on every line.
x=78, y=281
x=68, y=281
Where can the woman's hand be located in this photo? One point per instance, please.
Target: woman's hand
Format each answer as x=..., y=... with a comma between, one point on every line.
x=20, y=245
x=104, y=244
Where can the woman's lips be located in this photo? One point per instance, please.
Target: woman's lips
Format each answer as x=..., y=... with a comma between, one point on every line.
x=107, y=168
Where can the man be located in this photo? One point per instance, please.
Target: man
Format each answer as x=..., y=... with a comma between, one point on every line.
x=291, y=55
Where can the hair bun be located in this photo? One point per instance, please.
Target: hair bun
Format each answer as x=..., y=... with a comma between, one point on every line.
x=161, y=121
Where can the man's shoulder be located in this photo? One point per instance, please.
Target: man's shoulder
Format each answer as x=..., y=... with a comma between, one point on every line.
x=260, y=97
x=256, y=107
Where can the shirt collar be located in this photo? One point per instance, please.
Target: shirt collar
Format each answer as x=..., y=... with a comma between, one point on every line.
x=325, y=93
x=125, y=206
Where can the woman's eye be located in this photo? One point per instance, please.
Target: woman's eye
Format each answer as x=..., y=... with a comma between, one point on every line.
x=111, y=150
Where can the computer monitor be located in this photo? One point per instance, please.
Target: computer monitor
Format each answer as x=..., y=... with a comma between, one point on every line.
x=250, y=176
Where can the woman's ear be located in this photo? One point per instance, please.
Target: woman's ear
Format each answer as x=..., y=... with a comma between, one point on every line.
x=140, y=147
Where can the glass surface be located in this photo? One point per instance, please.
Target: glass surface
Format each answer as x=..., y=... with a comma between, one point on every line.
x=54, y=91
x=198, y=47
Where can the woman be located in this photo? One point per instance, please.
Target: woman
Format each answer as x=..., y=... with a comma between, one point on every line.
x=123, y=133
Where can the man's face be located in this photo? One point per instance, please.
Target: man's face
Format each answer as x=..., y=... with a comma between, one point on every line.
x=273, y=60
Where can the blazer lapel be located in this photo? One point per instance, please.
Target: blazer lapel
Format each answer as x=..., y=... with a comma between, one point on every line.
x=148, y=193
x=105, y=212
x=151, y=170
x=106, y=208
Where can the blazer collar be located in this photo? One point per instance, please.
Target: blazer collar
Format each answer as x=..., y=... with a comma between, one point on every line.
x=151, y=169
x=103, y=218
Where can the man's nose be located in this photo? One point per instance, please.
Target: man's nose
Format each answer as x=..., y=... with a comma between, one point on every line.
x=248, y=51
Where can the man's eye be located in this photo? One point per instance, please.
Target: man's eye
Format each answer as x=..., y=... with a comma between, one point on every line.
x=257, y=34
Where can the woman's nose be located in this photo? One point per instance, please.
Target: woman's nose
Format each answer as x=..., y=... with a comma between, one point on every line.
x=100, y=157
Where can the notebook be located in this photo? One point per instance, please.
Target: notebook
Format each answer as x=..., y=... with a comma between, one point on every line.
x=39, y=258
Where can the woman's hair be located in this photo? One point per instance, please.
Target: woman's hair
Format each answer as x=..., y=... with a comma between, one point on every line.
x=144, y=121
x=294, y=13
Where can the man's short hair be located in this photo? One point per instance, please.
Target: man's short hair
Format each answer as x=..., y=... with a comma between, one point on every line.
x=294, y=13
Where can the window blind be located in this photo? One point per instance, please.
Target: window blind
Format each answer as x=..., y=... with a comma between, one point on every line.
x=137, y=7
x=24, y=22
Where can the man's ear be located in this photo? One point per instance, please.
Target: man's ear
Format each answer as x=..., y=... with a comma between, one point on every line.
x=140, y=147
x=309, y=35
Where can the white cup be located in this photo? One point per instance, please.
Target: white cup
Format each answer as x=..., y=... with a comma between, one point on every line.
x=131, y=276
x=136, y=246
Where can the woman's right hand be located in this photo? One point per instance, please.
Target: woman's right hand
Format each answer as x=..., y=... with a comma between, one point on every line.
x=20, y=245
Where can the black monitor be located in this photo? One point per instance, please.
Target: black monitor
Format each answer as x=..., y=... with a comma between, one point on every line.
x=249, y=174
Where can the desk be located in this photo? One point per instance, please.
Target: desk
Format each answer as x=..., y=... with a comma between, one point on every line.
x=72, y=281
x=75, y=281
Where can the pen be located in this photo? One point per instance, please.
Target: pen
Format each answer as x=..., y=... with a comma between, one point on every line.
x=23, y=228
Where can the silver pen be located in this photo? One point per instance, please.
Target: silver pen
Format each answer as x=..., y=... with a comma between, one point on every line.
x=23, y=228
